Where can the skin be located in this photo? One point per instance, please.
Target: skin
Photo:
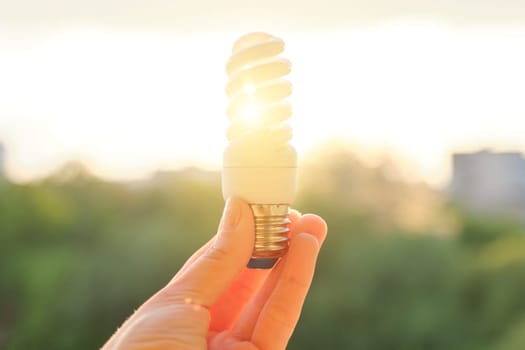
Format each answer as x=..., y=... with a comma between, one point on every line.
x=215, y=302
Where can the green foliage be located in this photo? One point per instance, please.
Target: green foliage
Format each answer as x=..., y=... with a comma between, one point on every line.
x=384, y=293
x=78, y=255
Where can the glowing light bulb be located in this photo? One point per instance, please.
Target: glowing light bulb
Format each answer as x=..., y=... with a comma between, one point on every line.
x=249, y=88
x=259, y=165
x=250, y=113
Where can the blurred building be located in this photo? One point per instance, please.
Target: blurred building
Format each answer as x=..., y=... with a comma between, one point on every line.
x=490, y=182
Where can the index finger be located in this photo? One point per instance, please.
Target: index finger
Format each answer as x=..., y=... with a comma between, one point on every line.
x=241, y=291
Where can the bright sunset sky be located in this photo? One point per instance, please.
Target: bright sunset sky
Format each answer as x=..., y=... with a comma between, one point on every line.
x=133, y=86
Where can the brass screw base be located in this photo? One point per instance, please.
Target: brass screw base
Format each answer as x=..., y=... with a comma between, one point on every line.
x=271, y=234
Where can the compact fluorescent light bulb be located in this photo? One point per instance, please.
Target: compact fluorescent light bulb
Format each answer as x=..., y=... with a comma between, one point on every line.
x=259, y=165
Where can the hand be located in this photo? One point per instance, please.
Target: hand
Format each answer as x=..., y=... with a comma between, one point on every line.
x=215, y=302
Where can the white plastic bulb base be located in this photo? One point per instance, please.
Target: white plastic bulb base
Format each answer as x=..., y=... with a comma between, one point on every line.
x=269, y=191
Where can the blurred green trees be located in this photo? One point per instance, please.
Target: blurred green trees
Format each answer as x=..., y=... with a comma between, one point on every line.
x=402, y=268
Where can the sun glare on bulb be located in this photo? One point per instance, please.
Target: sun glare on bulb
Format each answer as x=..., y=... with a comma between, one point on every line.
x=249, y=88
x=250, y=113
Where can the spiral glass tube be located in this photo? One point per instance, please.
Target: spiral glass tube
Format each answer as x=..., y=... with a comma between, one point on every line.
x=259, y=164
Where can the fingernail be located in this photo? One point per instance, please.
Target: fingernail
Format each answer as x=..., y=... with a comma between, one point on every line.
x=231, y=215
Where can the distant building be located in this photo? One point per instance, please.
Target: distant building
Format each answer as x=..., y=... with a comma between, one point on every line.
x=490, y=182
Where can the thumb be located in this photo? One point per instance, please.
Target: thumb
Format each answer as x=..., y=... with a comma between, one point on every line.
x=209, y=276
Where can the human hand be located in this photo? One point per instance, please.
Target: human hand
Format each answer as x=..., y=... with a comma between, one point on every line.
x=215, y=302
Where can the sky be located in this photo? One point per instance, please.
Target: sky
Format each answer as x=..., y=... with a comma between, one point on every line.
x=129, y=87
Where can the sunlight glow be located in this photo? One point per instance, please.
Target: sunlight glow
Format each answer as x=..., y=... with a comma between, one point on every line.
x=250, y=113
x=249, y=88
x=131, y=103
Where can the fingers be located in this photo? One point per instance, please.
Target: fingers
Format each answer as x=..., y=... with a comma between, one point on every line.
x=244, y=327
x=226, y=311
x=312, y=224
x=281, y=312
x=204, y=281
x=294, y=216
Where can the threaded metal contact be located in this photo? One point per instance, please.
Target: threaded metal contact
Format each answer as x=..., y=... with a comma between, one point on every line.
x=271, y=230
